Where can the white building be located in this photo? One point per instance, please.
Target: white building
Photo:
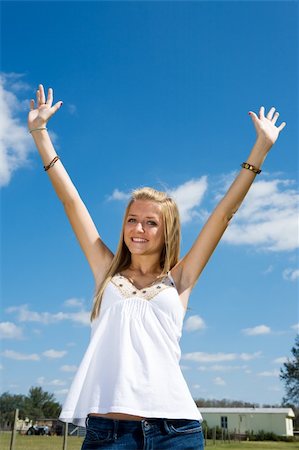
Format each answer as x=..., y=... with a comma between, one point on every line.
x=240, y=420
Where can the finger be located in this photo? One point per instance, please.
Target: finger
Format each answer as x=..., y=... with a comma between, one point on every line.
x=42, y=94
x=275, y=117
x=56, y=107
x=270, y=113
x=253, y=116
x=38, y=97
x=50, y=97
x=281, y=126
x=262, y=112
x=31, y=105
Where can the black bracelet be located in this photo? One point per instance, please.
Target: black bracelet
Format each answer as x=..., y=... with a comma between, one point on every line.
x=54, y=160
x=248, y=166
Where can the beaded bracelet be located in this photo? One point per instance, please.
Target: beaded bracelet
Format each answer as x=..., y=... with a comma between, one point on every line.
x=248, y=166
x=54, y=160
x=37, y=129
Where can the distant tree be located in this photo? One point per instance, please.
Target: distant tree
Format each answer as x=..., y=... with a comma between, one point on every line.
x=40, y=404
x=8, y=404
x=224, y=403
x=289, y=373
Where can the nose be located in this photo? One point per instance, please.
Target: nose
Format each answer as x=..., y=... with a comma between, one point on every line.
x=139, y=227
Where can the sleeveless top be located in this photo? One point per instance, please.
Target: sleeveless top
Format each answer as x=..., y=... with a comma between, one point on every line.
x=132, y=362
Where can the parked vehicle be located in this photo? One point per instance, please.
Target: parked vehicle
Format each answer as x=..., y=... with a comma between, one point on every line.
x=39, y=430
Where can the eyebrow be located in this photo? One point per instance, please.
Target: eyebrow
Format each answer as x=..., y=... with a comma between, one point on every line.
x=147, y=217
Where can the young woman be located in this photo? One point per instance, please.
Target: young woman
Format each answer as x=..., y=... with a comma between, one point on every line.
x=129, y=388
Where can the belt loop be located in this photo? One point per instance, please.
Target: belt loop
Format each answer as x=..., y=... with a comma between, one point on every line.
x=166, y=426
x=115, y=430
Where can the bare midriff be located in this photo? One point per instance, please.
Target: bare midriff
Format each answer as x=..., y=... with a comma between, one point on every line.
x=117, y=416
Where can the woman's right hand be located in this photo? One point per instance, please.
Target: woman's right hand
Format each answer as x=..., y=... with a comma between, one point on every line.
x=43, y=110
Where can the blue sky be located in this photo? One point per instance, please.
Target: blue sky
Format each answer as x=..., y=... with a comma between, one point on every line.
x=155, y=93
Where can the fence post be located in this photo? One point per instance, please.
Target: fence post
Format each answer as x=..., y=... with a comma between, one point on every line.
x=214, y=435
x=13, y=433
x=66, y=429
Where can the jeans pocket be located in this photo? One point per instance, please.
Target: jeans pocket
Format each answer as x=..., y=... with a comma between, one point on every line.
x=182, y=426
x=96, y=436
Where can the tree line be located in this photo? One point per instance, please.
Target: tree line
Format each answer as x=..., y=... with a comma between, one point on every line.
x=38, y=404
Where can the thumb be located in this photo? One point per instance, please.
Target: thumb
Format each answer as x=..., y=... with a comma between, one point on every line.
x=254, y=117
x=56, y=107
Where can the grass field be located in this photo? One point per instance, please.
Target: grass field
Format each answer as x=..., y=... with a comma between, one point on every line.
x=74, y=443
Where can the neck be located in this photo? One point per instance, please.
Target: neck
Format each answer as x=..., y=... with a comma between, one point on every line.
x=144, y=265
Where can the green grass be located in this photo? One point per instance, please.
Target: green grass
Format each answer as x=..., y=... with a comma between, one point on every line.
x=265, y=445
x=39, y=442
x=74, y=443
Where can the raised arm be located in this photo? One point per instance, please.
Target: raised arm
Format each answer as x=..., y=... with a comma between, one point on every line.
x=190, y=267
x=96, y=252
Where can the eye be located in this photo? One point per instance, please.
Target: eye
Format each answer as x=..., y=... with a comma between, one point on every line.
x=131, y=220
x=152, y=223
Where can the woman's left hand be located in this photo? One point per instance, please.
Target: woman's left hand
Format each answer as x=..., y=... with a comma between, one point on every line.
x=265, y=126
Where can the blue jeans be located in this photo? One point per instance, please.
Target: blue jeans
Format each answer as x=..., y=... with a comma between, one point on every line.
x=146, y=434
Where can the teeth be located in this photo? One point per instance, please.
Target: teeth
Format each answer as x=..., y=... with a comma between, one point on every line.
x=138, y=240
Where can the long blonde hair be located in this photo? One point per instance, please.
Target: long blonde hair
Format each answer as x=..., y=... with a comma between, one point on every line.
x=172, y=237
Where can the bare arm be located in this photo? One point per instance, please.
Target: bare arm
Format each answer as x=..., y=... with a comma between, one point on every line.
x=187, y=271
x=96, y=252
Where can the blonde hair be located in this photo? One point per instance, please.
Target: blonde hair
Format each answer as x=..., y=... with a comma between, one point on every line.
x=172, y=237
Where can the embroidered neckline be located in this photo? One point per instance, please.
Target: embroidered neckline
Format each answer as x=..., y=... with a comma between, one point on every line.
x=156, y=281
x=129, y=290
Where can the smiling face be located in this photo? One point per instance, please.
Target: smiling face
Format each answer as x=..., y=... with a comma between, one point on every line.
x=144, y=228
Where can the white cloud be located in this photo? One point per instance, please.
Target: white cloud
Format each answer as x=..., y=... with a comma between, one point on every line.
x=72, y=109
x=255, y=331
x=268, y=270
x=220, y=368
x=268, y=218
x=196, y=386
x=119, y=195
x=290, y=274
x=280, y=360
x=61, y=392
x=194, y=323
x=56, y=382
x=11, y=354
x=67, y=368
x=23, y=314
x=189, y=196
x=250, y=356
x=219, y=357
x=16, y=82
x=9, y=330
x=295, y=327
x=54, y=353
x=73, y=303
x=184, y=367
x=219, y=381
x=269, y=373
x=15, y=142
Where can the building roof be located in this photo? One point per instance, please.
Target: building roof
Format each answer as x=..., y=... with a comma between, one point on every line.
x=287, y=411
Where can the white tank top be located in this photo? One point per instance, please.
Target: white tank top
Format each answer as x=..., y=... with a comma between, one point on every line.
x=132, y=362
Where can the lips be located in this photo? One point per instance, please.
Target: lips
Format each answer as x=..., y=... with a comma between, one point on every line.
x=139, y=240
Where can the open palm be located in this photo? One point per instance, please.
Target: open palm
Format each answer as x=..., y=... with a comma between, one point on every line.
x=43, y=110
x=266, y=125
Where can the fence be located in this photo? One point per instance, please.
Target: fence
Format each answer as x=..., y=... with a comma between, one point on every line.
x=65, y=431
